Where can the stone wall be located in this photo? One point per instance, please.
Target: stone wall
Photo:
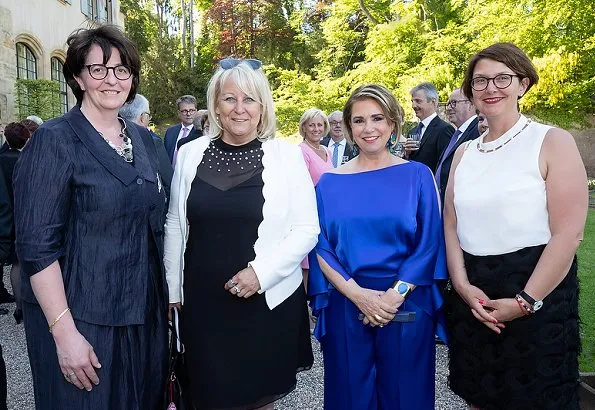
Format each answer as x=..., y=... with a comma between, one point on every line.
x=585, y=140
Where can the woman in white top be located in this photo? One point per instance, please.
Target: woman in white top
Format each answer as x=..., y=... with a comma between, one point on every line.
x=514, y=214
x=242, y=217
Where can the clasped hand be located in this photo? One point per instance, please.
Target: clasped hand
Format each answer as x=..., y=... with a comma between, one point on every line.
x=379, y=308
x=492, y=313
x=243, y=284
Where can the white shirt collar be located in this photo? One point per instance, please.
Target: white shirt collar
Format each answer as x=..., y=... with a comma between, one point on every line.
x=332, y=142
x=466, y=124
x=426, y=121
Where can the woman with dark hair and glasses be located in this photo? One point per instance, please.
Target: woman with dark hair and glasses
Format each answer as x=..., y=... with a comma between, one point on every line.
x=514, y=214
x=241, y=219
x=89, y=214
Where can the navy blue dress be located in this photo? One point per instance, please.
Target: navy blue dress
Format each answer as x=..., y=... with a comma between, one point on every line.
x=79, y=203
x=378, y=227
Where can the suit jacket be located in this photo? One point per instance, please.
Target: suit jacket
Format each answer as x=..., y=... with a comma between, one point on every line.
x=8, y=160
x=434, y=141
x=165, y=169
x=6, y=224
x=470, y=133
x=170, y=139
x=349, y=152
x=79, y=203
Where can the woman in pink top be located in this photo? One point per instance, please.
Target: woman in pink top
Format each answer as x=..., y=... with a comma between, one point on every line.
x=313, y=126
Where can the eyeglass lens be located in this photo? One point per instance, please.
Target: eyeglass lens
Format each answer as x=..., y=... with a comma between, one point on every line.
x=100, y=71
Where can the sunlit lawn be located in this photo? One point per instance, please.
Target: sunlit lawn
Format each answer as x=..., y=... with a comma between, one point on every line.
x=586, y=271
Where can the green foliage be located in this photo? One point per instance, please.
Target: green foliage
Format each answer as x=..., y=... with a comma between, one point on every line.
x=37, y=97
x=317, y=52
x=586, y=267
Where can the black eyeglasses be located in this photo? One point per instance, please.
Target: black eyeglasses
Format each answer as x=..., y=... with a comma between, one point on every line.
x=148, y=114
x=501, y=81
x=100, y=71
x=453, y=103
x=228, y=63
x=188, y=112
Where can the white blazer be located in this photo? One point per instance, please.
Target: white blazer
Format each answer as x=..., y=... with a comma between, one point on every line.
x=288, y=232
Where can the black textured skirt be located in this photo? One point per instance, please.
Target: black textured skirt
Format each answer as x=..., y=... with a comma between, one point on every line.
x=533, y=363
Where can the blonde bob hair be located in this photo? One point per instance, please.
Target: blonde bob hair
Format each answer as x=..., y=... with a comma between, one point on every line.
x=309, y=115
x=255, y=85
x=387, y=101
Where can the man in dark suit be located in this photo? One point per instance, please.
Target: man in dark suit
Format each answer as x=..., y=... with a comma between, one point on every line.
x=461, y=113
x=432, y=132
x=139, y=112
x=186, y=113
x=341, y=150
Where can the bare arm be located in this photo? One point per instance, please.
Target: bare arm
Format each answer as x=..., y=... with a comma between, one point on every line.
x=567, y=203
x=75, y=355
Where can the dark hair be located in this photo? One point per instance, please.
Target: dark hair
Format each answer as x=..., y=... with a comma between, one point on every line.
x=106, y=37
x=16, y=135
x=509, y=55
x=31, y=125
x=384, y=97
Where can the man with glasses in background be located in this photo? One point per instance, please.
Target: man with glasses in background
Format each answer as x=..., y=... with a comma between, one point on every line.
x=341, y=150
x=461, y=113
x=186, y=113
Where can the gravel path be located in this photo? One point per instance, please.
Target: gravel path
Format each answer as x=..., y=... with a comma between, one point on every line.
x=307, y=395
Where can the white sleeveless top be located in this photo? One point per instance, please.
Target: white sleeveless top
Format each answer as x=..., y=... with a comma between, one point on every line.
x=500, y=196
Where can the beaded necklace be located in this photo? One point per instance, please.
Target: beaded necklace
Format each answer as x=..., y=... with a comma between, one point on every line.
x=125, y=149
x=496, y=148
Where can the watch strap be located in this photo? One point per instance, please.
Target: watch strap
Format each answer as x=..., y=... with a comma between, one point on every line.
x=534, y=304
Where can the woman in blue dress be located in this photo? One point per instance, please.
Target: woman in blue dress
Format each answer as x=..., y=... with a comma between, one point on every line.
x=373, y=273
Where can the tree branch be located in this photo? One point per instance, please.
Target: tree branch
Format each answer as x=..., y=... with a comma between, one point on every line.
x=365, y=10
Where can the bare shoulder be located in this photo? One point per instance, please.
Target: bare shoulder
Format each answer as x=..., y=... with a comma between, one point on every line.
x=559, y=143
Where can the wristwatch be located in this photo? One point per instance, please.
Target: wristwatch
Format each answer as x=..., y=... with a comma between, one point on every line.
x=403, y=288
x=534, y=304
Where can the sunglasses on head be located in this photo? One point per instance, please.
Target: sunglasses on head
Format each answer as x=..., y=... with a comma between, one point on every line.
x=228, y=63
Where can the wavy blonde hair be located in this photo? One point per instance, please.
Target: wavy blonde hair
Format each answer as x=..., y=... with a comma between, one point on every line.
x=255, y=85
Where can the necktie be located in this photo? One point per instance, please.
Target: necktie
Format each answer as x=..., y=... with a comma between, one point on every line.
x=184, y=135
x=336, y=155
x=449, y=147
x=184, y=132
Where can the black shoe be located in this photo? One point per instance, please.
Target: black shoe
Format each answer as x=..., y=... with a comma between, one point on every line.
x=18, y=316
x=6, y=297
x=3, y=311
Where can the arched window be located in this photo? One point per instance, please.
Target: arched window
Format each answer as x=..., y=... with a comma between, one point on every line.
x=26, y=62
x=58, y=76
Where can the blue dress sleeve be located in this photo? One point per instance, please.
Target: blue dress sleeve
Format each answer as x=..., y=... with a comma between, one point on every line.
x=427, y=261
x=318, y=285
x=42, y=194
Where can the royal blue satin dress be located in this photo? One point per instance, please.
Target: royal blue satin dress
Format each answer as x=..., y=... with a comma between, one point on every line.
x=378, y=227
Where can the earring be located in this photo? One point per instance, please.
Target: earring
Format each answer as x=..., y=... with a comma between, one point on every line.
x=355, y=149
x=391, y=141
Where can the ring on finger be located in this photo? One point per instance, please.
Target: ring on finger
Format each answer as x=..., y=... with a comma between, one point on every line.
x=236, y=289
x=378, y=318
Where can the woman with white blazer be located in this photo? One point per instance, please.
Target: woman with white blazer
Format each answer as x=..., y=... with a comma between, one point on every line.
x=242, y=216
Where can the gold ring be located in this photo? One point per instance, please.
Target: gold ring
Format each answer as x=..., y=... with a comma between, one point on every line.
x=378, y=318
